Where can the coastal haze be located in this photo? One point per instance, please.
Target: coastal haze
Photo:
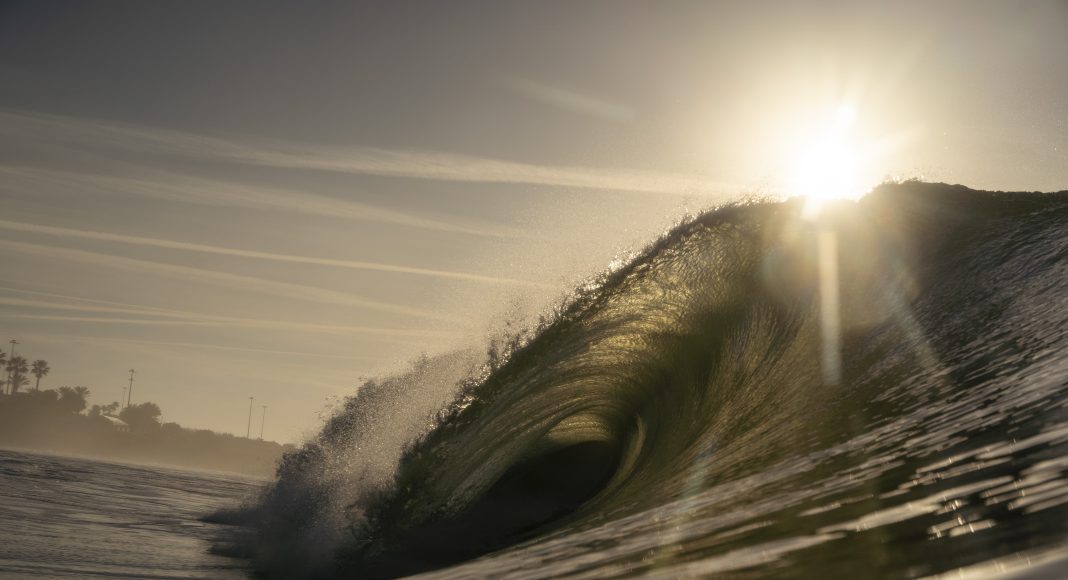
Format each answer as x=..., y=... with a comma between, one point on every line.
x=244, y=200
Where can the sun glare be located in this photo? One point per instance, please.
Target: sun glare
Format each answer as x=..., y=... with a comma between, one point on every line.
x=829, y=165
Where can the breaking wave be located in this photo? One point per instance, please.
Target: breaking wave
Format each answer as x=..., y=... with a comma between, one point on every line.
x=877, y=391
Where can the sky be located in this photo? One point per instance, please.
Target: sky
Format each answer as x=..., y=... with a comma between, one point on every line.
x=279, y=199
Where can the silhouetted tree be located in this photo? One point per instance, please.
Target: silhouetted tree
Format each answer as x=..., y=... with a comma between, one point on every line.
x=17, y=382
x=142, y=417
x=109, y=409
x=3, y=365
x=16, y=371
x=39, y=400
x=39, y=369
x=40, y=405
x=73, y=400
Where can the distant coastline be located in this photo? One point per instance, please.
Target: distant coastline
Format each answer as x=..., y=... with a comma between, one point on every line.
x=57, y=422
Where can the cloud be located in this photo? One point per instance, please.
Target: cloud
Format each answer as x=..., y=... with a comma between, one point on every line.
x=199, y=345
x=411, y=164
x=162, y=317
x=194, y=345
x=235, y=281
x=569, y=100
x=203, y=248
x=137, y=182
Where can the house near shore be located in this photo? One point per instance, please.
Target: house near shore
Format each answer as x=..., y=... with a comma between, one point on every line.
x=117, y=424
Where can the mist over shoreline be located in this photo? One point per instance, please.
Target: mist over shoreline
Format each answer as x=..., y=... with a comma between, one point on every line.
x=44, y=421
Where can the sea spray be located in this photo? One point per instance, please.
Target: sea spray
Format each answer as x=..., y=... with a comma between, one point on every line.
x=309, y=512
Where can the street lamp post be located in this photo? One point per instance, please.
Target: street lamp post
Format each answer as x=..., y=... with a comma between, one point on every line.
x=10, y=358
x=248, y=428
x=263, y=420
x=129, y=393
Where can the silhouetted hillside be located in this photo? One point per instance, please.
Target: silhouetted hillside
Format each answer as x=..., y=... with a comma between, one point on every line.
x=55, y=420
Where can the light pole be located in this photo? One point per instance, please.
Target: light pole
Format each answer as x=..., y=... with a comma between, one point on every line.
x=129, y=393
x=248, y=428
x=262, y=421
x=10, y=358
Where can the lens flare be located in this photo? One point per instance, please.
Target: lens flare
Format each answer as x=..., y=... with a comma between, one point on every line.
x=829, y=164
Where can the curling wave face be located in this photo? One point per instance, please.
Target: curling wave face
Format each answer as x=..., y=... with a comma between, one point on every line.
x=878, y=391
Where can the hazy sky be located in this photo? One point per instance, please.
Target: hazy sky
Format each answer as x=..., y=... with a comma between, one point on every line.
x=274, y=199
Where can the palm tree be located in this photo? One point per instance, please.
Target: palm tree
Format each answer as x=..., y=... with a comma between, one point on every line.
x=16, y=369
x=17, y=382
x=39, y=369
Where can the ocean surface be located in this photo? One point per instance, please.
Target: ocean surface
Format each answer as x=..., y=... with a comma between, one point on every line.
x=62, y=517
x=876, y=391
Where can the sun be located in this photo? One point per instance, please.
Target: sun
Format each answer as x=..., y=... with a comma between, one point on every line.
x=828, y=164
